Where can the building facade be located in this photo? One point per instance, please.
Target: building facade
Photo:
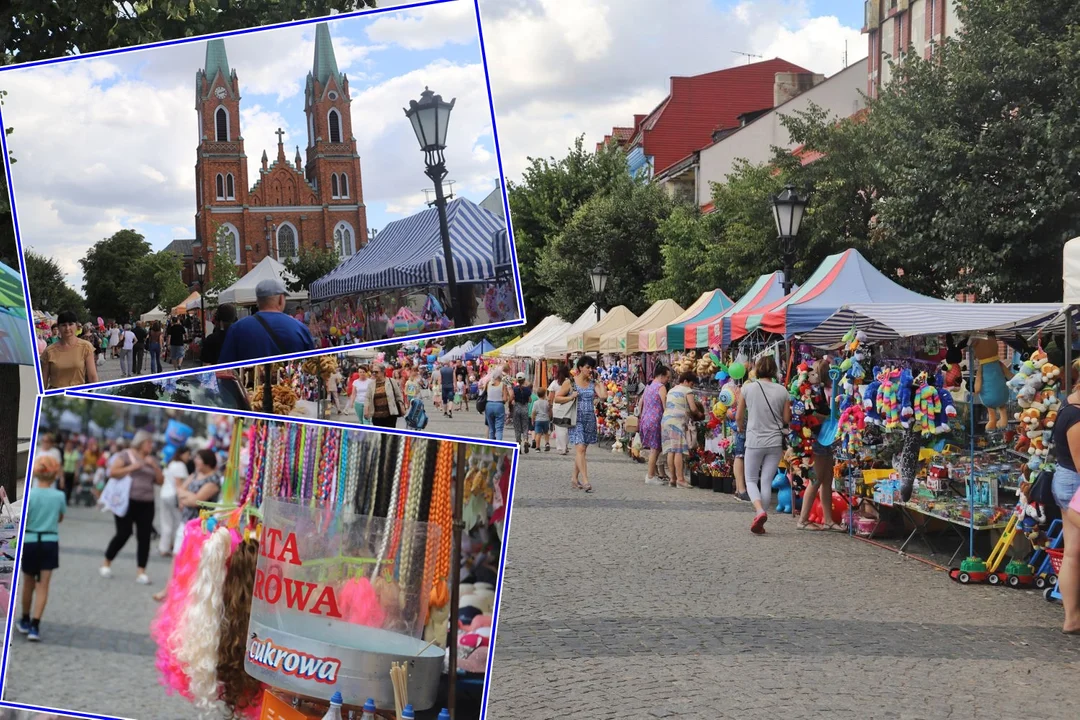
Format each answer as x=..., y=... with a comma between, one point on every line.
x=896, y=27
x=314, y=201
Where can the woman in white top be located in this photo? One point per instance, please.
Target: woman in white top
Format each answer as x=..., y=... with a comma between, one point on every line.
x=126, y=366
x=560, y=380
x=498, y=400
x=168, y=512
x=359, y=393
x=764, y=414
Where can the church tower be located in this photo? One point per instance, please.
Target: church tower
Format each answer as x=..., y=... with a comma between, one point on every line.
x=221, y=176
x=333, y=165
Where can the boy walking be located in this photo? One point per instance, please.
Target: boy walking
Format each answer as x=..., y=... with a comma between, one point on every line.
x=41, y=549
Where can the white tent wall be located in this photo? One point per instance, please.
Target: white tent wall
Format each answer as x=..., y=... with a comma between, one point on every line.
x=1070, y=264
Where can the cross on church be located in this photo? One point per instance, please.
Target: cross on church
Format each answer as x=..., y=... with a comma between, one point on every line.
x=279, y=133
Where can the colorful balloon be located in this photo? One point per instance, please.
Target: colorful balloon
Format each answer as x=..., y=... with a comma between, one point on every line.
x=737, y=371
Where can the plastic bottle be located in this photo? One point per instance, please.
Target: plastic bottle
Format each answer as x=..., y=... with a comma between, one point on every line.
x=334, y=713
x=407, y=713
x=369, y=710
x=444, y=714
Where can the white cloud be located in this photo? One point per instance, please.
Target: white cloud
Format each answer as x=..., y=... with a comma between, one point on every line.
x=428, y=28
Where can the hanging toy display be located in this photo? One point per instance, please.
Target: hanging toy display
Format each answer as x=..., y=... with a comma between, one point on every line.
x=991, y=380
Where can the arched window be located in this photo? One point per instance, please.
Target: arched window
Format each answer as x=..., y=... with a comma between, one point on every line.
x=286, y=242
x=230, y=189
x=310, y=130
x=333, y=185
x=231, y=245
x=220, y=187
x=334, y=120
x=343, y=240
x=221, y=123
x=344, y=185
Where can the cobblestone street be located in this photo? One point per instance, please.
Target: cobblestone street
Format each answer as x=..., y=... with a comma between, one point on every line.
x=642, y=602
x=110, y=369
x=96, y=654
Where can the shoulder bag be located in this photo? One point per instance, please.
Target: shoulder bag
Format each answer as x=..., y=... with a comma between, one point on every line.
x=481, y=400
x=116, y=495
x=779, y=423
x=270, y=332
x=564, y=414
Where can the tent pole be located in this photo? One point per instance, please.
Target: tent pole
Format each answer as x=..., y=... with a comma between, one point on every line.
x=1070, y=330
x=971, y=476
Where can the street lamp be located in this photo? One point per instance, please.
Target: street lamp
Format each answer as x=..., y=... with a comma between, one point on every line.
x=788, y=208
x=200, y=270
x=599, y=277
x=430, y=118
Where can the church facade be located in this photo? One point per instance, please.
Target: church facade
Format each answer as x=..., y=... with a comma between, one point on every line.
x=314, y=201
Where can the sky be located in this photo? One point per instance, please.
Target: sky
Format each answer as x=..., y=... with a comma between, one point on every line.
x=109, y=143
x=118, y=145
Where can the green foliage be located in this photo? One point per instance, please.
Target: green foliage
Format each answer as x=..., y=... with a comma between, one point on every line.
x=107, y=267
x=9, y=249
x=550, y=193
x=155, y=279
x=618, y=229
x=223, y=265
x=48, y=291
x=41, y=29
x=311, y=265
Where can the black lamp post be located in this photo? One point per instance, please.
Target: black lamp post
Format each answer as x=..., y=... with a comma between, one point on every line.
x=599, y=277
x=788, y=208
x=200, y=270
x=430, y=118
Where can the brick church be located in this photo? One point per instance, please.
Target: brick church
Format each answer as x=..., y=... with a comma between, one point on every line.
x=308, y=202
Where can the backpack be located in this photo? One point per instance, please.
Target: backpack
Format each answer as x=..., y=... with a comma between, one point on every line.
x=416, y=418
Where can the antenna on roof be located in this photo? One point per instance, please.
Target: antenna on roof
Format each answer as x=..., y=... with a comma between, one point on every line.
x=845, y=53
x=747, y=55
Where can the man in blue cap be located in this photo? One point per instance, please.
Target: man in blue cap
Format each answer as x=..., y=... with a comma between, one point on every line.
x=267, y=333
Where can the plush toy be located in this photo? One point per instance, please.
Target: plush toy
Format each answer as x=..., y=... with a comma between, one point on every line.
x=906, y=394
x=927, y=406
x=869, y=398
x=948, y=406
x=991, y=380
x=783, y=491
x=852, y=424
x=1031, y=515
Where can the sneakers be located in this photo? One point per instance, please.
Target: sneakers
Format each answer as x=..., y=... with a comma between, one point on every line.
x=652, y=480
x=143, y=579
x=105, y=572
x=33, y=635
x=23, y=626
x=742, y=497
x=525, y=447
x=758, y=526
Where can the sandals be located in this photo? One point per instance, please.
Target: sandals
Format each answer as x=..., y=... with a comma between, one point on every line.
x=834, y=527
x=808, y=526
x=587, y=487
x=576, y=485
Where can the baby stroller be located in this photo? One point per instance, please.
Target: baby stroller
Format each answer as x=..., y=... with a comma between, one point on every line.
x=416, y=418
x=84, y=491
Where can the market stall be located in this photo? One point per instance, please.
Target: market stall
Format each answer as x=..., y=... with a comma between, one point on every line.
x=531, y=344
x=588, y=340
x=16, y=347
x=242, y=292
x=346, y=563
x=556, y=345
x=673, y=335
x=504, y=348
x=626, y=338
x=191, y=300
x=479, y=350
x=766, y=290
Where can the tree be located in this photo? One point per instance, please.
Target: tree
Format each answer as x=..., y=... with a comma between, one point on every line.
x=41, y=29
x=223, y=265
x=686, y=238
x=549, y=194
x=154, y=280
x=48, y=290
x=311, y=265
x=9, y=249
x=107, y=266
x=617, y=228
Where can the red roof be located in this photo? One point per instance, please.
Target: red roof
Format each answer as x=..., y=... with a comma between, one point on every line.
x=621, y=135
x=695, y=106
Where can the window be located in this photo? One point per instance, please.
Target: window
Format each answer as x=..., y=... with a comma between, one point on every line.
x=344, y=185
x=230, y=190
x=333, y=185
x=221, y=122
x=343, y=240
x=231, y=244
x=918, y=28
x=286, y=242
x=335, y=126
x=220, y=187
x=310, y=130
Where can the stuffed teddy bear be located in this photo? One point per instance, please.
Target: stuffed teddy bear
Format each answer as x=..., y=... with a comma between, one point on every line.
x=991, y=380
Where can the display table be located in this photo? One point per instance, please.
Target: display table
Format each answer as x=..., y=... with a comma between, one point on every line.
x=920, y=519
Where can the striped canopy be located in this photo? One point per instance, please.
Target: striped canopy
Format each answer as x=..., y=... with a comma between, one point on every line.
x=886, y=321
x=504, y=259
x=766, y=290
x=682, y=333
x=627, y=338
x=16, y=344
x=656, y=340
x=842, y=279
x=408, y=254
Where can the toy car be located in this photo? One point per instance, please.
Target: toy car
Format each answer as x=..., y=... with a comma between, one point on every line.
x=972, y=570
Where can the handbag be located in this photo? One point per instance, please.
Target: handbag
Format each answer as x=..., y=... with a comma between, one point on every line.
x=631, y=424
x=565, y=414
x=779, y=424
x=481, y=401
x=116, y=496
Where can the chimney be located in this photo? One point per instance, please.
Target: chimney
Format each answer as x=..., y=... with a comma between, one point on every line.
x=789, y=85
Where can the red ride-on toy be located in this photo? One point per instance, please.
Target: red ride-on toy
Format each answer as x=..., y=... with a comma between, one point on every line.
x=972, y=570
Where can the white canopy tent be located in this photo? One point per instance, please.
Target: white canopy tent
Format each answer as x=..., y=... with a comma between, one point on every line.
x=458, y=353
x=1070, y=265
x=242, y=292
x=532, y=345
x=155, y=314
x=555, y=347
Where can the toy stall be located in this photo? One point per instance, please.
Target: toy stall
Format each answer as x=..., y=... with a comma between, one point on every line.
x=340, y=567
x=950, y=456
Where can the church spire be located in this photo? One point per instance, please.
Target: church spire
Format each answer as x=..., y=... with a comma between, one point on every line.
x=325, y=65
x=216, y=59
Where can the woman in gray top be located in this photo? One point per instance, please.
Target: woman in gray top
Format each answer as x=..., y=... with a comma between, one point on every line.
x=764, y=414
x=145, y=473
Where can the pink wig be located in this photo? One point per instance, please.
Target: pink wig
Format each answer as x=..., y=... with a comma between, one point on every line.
x=165, y=627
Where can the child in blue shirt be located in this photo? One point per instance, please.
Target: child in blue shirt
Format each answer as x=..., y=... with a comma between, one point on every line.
x=41, y=546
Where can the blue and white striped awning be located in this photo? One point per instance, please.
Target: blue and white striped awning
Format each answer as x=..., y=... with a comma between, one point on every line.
x=408, y=254
x=504, y=259
x=887, y=321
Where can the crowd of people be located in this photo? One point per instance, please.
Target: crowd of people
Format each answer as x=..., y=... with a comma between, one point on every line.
x=153, y=492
